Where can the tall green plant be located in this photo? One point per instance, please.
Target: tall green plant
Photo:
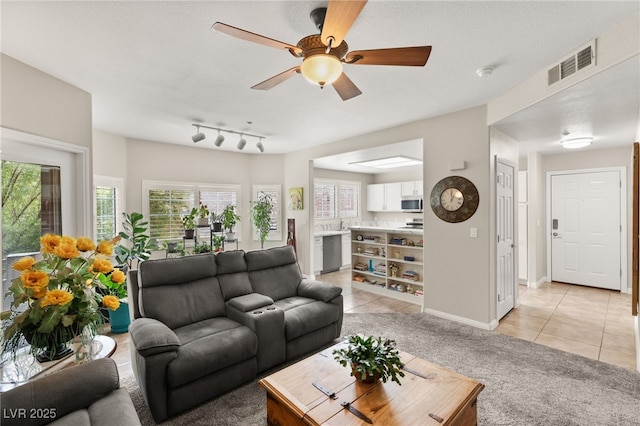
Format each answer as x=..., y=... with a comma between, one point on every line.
x=261, y=215
x=138, y=244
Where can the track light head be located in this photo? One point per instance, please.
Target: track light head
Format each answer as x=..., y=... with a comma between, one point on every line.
x=260, y=146
x=219, y=139
x=241, y=143
x=198, y=136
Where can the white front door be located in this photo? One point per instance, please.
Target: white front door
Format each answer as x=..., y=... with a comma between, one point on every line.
x=586, y=229
x=505, y=274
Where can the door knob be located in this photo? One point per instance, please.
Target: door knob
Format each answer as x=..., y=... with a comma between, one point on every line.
x=555, y=234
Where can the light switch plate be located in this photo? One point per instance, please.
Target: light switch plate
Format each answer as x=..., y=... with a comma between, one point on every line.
x=473, y=232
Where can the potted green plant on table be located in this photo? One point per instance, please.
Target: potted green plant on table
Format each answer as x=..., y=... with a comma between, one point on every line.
x=230, y=218
x=371, y=359
x=189, y=223
x=55, y=299
x=261, y=216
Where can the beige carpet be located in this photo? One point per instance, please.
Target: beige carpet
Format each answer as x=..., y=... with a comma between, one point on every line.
x=525, y=383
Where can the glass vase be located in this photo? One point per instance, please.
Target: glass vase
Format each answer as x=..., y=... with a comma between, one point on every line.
x=83, y=344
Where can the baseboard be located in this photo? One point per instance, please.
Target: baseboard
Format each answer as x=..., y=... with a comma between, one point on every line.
x=636, y=327
x=485, y=326
x=538, y=283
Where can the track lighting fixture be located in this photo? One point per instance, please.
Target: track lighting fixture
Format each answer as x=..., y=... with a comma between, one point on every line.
x=220, y=138
x=241, y=143
x=198, y=136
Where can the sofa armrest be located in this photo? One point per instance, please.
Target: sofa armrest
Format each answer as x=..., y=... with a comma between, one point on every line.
x=318, y=290
x=61, y=393
x=249, y=302
x=150, y=337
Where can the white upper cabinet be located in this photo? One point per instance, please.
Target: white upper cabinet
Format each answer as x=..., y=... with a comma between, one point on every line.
x=384, y=197
x=412, y=188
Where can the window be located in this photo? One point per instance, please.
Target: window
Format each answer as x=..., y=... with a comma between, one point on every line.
x=324, y=200
x=336, y=199
x=273, y=191
x=108, y=210
x=168, y=202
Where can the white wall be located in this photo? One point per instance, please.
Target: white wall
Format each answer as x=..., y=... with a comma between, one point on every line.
x=109, y=155
x=593, y=159
x=35, y=102
x=148, y=160
x=463, y=135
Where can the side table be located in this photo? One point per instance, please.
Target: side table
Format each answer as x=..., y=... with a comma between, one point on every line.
x=25, y=367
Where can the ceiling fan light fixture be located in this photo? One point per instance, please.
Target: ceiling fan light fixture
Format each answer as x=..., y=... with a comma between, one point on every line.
x=321, y=68
x=574, y=143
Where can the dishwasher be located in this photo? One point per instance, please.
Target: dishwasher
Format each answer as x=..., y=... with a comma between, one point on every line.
x=331, y=253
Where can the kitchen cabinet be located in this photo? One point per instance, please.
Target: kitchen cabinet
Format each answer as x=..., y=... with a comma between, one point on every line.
x=346, y=250
x=412, y=188
x=384, y=197
x=317, y=254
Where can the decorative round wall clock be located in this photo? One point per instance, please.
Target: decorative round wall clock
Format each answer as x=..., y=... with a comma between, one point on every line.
x=454, y=199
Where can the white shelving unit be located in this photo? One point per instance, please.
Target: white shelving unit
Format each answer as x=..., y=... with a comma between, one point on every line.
x=388, y=262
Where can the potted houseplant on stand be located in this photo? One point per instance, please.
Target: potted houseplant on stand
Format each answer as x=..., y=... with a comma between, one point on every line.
x=261, y=216
x=371, y=359
x=189, y=223
x=203, y=215
x=229, y=220
x=217, y=242
x=216, y=222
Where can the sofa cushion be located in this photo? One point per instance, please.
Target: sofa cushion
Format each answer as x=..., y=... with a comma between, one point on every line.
x=274, y=272
x=232, y=274
x=180, y=291
x=303, y=315
x=208, y=346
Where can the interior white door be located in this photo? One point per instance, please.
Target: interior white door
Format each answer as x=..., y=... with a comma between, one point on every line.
x=505, y=274
x=586, y=229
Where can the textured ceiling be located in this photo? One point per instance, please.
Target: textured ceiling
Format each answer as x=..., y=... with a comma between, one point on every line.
x=153, y=68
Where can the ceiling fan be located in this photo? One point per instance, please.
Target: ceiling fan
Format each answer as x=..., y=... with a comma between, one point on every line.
x=323, y=54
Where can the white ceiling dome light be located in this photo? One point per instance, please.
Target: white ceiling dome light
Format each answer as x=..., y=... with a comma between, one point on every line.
x=575, y=142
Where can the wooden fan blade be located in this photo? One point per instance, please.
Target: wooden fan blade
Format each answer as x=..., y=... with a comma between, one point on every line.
x=254, y=38
x=276, y=79
x=339, y=19
x=407, y=56
x=345, y=87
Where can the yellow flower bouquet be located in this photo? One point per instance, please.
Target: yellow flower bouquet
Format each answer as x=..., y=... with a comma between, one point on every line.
x=55, y=299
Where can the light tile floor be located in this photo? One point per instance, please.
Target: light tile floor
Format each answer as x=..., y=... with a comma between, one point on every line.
x=586, y=321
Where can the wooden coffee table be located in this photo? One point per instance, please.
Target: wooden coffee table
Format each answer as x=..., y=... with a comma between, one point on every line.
x=439, y=397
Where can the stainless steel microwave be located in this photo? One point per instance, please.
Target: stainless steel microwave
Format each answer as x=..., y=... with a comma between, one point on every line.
x=411, y=204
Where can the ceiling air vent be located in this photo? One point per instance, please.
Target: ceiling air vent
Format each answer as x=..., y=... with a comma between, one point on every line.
x=578, y=61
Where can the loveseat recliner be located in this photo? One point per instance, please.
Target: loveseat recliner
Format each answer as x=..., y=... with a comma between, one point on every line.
x=87, y=394
x=205, y=324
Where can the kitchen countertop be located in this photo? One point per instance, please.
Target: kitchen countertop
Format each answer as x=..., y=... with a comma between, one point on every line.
x=329, y=233
x=388, y=229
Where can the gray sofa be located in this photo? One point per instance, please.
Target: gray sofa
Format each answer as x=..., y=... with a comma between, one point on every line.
x=87, y=394
x=205, y=324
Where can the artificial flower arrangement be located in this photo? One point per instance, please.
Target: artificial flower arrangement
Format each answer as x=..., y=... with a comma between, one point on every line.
x=55, y=299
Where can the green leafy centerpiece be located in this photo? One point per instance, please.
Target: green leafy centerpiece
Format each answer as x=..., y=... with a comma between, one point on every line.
x=55, y=299
x=371, y=359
